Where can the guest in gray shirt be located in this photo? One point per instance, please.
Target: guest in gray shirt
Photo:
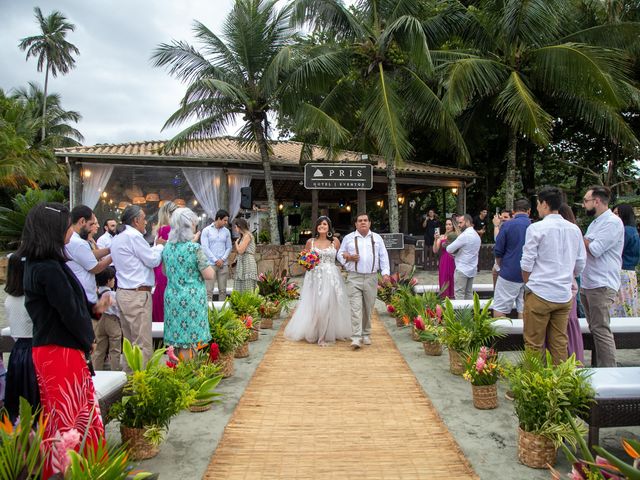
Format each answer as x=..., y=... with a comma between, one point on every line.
x=216, y=244
x=604, y=242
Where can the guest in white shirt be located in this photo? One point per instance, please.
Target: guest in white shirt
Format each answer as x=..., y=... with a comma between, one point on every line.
x=363, y=254
x=604, y=242
x=109, y=231
x=83, y=261
x=134, y=261
x=552, y=256
x=465, y=250
x=216, y=245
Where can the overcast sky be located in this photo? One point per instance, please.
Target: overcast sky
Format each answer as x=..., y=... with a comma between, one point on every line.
x=120, y=96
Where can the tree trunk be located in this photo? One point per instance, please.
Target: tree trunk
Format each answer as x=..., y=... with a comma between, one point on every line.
x=394, y=225
x=44, y=102
x=511, y=170
x=268, y=183
x=530, y=172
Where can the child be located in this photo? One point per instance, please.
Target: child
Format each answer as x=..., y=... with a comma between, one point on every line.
x=107, y=329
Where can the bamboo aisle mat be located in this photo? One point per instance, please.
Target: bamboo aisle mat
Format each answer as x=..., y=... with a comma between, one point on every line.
x=311, y=412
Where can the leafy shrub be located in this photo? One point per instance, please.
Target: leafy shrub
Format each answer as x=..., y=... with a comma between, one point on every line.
x=227, y=330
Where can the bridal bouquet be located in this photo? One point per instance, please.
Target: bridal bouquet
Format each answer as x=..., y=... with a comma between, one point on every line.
x=309, y=259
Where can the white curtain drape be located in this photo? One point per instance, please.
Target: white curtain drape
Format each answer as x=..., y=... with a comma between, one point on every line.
x=95, y=178
x=205, y=184
x=236, y=182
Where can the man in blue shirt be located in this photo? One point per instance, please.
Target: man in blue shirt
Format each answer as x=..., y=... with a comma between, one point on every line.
x=216, y=244
x=509, y=290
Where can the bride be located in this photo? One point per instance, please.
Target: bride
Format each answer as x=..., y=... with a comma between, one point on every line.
x=323, y=313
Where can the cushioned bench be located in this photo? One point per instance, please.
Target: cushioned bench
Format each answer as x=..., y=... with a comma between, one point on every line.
x=477, y=287
x=626, y=334
x=108, y=387
x=617, y=400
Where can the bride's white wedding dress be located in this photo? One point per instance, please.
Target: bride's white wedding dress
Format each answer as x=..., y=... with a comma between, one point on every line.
x=323, y=313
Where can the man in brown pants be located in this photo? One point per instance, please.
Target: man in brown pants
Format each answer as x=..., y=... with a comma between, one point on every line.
x=552, y=256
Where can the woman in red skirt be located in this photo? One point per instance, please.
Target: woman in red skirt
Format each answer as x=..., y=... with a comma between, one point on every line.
x=62, y=336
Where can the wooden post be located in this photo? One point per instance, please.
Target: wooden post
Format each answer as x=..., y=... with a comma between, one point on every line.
x=362, y=201
x=75, y=184
x=405, y=214
x=462, y=199
x=444, y=203
x=224, y=189
x=314, y=206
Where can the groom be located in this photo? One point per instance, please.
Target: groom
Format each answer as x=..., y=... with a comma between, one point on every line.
x=363, y=254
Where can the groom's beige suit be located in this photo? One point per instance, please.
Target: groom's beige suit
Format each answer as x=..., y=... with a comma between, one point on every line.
x=362, y=278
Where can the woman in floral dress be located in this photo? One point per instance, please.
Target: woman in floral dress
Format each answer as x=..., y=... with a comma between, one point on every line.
x=246, y=268
x=626, y=302
x=186, y=315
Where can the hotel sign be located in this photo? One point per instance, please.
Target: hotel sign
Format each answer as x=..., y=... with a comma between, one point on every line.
x=338, y=176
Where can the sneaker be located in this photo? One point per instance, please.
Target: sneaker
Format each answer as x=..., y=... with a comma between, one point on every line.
x=509, y=395
x=355, y=344
x=366, y=340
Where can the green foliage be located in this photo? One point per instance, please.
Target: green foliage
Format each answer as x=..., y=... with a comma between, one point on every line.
x=153, y=394
x=244, y=303
x=226, y=329
x=271, y=285
x=544, y=395
x=12, y=219
x=102, y=463
x=20, y=446
x=482, y=366
x=468, y=329
x=201, y=376
x=387, y=288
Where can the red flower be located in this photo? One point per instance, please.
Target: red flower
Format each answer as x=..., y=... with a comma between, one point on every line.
x=391, y=309
x=214, y=352
x=170, y=364
x=418, y=323
x=413, y=282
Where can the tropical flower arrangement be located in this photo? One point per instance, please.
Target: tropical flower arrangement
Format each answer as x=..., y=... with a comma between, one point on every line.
x=429, y=330
x=482, y=367
x=244, y=303
x=292, y=291
x=308, y=259
x=227, y=330
x=269, y=309
x=23, y=453
x=468, y=329
x=272, y=286
x=389, y=286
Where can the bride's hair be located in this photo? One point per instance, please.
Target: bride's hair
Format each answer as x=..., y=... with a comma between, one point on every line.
x=321, y=219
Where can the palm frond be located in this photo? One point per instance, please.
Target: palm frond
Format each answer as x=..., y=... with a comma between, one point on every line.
x=408, y=32
x=213, y=45
x=519, y=108
x=313, y=119
x=382, y=118
x=329, y=16
x=276, y=69
x=532, y=22
x=183, y=61
x=322, y=64
x=468, y=78
x=617, y=35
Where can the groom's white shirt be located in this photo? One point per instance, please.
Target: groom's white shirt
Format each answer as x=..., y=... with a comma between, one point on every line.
x=365, y=264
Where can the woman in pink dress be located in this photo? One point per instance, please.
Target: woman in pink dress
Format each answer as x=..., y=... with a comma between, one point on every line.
x=447, y=265
x=164, y=215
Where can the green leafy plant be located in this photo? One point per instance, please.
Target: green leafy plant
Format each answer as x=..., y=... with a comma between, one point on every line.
x=12, y=219
x=102, y=463
x=545, y=395
x=153, y=395
x=227, y=330
x=20, y=455
x=468, y=328
x=388, y=287
x=199, y=374
x=244, y=303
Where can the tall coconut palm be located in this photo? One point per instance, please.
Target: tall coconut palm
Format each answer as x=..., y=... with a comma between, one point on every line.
x=53, y=51
x=385, y=91
x=59, y=132
x=529, y=63
x=237, y=75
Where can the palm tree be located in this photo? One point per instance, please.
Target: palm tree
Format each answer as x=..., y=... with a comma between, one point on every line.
x=236, y=75
x=54, y=52
x=384, y=90
x=529, y=63
x=59, y=133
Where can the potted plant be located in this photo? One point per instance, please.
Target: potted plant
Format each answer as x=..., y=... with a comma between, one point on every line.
x=482, y=370
x=280, y=288
x=242, y=351
x=387, y=288
x=268, y=309
x=152, y=396
x=200, y=374
x=253, y=326
x=544, y=397
x=465, y=330
x=429, y=333
x=228, y=333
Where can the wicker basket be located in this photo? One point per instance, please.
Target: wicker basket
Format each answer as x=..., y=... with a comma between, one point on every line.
x=253, y=336
x=414, y=334
x=485, y=397
x=226, y=361
x=433, y=349
x=242, y=351
x=138, y=447
x=535, y=451
x=195, y=408
x=455, y=363
x=266, y=323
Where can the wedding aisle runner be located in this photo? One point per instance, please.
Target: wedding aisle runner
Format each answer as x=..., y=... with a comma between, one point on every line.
x=312, y=412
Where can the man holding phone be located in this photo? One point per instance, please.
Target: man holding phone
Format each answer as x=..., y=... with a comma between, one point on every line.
x=216, y=245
